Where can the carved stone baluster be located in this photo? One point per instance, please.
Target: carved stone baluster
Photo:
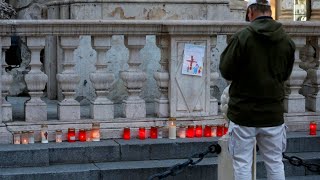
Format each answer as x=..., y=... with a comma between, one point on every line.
x=134, y=78
x=286, y=11
x=314, y=75
x=102, y=108
x=214, y=75
x=162, y=77
x=35, y=108
x=293, y=101
x=6, y=80
x=315, y=10
x=68, y=108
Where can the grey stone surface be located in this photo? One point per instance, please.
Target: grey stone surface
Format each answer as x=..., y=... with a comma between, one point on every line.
x=70, y=172
x=138, y=170
x=84, y=152
x=23, y=155
x=136, y=149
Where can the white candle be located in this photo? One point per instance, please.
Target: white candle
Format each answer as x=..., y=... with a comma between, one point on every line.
x=182, y=132
x=44, y=133
x=58, y=136
x=31, y=137
x=214, y=131
x=172, y=131
x=16, y=137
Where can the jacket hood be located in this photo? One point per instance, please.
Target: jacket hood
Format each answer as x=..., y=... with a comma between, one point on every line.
x=268, y=29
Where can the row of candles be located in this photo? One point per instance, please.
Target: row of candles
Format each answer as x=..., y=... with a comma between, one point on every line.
x=93, y=134
x=27, y=137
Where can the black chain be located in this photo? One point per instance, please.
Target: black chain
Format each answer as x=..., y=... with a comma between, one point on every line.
x=296, y=161
x=178, y=168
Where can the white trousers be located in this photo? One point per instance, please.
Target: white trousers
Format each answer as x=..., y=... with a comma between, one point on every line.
x=271, y=142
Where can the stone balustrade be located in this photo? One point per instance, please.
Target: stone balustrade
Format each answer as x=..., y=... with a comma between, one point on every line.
x=189, y=98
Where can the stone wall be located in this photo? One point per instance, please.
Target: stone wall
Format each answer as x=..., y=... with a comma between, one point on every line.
x=117, y=56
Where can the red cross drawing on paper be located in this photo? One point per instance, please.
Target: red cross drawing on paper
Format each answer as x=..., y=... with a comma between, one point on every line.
x=191, y=61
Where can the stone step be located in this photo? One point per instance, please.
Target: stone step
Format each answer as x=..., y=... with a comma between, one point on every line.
x=138, y=170
x=315, y=177
x=121, y=150
x=104, y=151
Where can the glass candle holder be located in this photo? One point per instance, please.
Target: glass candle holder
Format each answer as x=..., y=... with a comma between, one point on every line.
x=88, y=135
x=313, y=128
x=160, y=131
x=172, y=128
x=58, y=136
x=17, y=137
x=71, y=135
x=153, y=132
x=82, y=135
x=182, y=132
x=198, y=131
x=190, y=131
x=31, y=137
x=95, y=132
x=44, y=133
x=25, y=137
x=220, y=130
x=207, y=131
x=126, y=133
x=142, y=133
x=213, y=131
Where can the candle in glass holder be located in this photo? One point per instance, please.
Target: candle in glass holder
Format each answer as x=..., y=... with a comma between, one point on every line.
x=44, y=133
x=82, y=135
x=313, y=128
x=182, y=132
x=142, y=133
x=190, y=131
x=17, y=137
x=25, y=137
x=198, y=131
x=126, y=133
x=71, y=135
x=160, y=131
x=88, y=135
x=59, y=136
x=220, y=130
x=213, y=131
x=153, y=132
x=172, y=128
x=31, y=137
x=207, y=131
x=95, y=132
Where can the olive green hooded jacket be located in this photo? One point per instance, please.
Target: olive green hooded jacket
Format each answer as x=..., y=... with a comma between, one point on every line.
x=258, y=60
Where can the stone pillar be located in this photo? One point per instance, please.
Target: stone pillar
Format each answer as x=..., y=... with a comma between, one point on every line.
x=134, y=79
x=6, y=80
x=102, y=108
x=50, y=66
x=286, y=11
x=162, y=77
x=35, y=108
x=68, y=108
x=214, y=76
x=314, y=75
x=315, y=10
x=293, y=101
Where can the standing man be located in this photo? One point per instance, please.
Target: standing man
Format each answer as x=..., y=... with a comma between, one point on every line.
x=258, y=60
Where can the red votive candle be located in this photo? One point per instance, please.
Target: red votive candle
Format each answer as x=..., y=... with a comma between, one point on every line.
x=190, y=131
x=142, y=133
x=198, y=131
x=207, y=131
x=126, y=133
x=153, y=132
x=313, y=128
x=220, y=130
x=71, y=135
x=82, y=135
